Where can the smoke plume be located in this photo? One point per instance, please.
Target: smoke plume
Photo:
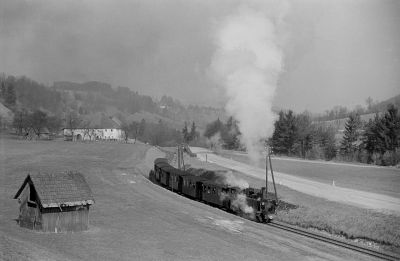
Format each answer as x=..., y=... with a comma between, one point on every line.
x=232, y=181
x=240, y=204
x=247, y=63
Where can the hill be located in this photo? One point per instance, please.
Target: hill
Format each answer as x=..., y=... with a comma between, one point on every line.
x=338, y=123
x=6, y=116
x=88, y=99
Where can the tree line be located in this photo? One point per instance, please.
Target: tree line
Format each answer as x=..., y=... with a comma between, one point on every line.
x=225, y=134
x=377, y=141
x=34, y=124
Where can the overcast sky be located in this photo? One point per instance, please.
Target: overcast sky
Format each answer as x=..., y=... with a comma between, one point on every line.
x=335, y=52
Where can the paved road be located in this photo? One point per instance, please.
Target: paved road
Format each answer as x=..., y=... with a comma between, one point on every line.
x=359, y=198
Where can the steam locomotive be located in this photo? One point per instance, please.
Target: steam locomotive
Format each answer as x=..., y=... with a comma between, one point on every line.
x=249, y=202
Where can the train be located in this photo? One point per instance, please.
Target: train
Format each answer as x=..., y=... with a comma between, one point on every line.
x=248, y=202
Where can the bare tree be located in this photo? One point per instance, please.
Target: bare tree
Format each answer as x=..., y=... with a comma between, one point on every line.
x=73, y=121
x=21, y=122
x=38, y=121
x=126, y=129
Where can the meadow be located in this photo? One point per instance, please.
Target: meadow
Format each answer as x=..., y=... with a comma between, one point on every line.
x=381, y=180
x=133, y=219
x=359, y=225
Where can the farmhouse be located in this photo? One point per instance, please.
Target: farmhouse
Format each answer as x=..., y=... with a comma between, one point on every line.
x=107, y=128
x=54, y=202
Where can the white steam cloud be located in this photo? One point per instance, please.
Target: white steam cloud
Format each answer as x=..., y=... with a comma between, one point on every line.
x=233, y=181
x=240, y=204
x=247, y=63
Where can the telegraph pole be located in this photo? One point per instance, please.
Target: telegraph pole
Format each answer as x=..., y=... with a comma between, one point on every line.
x=266, y=171
x=179, y=157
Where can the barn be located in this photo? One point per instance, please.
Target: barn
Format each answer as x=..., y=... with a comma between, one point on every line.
x=54, y=202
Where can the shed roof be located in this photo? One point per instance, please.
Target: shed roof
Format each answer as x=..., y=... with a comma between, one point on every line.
x=59, y=189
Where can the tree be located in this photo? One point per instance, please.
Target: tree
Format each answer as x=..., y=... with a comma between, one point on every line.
x=213, y=128
x=391, y=130
x=328, y=143
x=284, y=136
x=21, y=122
x=230, y=134
x=304, y=134
x=38, y=121
x=370, y=102
x=349, y=144
x=193, y=135
x=185, y=133
x=73, y=121
x=54, y=124
x=142, y=128
x=10, y=97
x=126, y=129
x=373, y=138
x=3, y=89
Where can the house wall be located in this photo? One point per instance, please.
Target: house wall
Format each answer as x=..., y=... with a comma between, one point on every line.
x=94, y=134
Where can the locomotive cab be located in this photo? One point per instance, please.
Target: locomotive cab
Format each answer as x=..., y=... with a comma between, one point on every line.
x=266, y=210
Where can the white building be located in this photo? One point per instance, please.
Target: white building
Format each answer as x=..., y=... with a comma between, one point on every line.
x=110, y=129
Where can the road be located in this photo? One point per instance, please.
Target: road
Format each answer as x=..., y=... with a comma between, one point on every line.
x=354, y=197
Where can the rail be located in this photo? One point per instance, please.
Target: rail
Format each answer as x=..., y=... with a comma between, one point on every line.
x=333, y=241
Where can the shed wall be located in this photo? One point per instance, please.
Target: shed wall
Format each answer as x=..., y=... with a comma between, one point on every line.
x=53, y=220
x=29, y=213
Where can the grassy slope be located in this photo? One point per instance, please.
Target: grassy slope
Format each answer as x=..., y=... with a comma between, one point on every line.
x=335, y=218
x=133, y=219
x=96, y=161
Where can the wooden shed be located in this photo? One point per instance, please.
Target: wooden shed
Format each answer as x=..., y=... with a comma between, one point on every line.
x=54, y=202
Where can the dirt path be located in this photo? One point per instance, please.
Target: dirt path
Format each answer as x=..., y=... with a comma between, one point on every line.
x=349, y=196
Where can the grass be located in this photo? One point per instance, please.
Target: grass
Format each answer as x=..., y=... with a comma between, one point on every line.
x=353, y=223
x=97, y=161
x=382, y=180
x=123, y=223
x=340, y=219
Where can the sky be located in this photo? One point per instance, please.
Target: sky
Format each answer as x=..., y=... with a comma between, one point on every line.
x=334, y=52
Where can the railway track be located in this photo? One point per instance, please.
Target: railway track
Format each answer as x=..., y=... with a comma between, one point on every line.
x=333, y=241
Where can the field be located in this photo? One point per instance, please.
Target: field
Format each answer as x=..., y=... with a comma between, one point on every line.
x=356, y=224
x=381, y=180
x=133, y=219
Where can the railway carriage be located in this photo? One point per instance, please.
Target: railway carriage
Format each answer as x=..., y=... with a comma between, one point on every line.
x=174, y=179
x=218, y=194
x=165, y=175
x=159, y=164
x=192, y=186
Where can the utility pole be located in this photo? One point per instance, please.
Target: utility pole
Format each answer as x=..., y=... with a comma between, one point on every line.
x=179, y=157
x=266, y=172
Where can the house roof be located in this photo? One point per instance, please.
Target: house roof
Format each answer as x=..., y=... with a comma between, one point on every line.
x=59, y=189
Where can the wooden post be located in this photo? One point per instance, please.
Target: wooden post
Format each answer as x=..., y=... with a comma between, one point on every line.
x=183, y=162
x=273, y=178
x=266, y=173
x=179, y=157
